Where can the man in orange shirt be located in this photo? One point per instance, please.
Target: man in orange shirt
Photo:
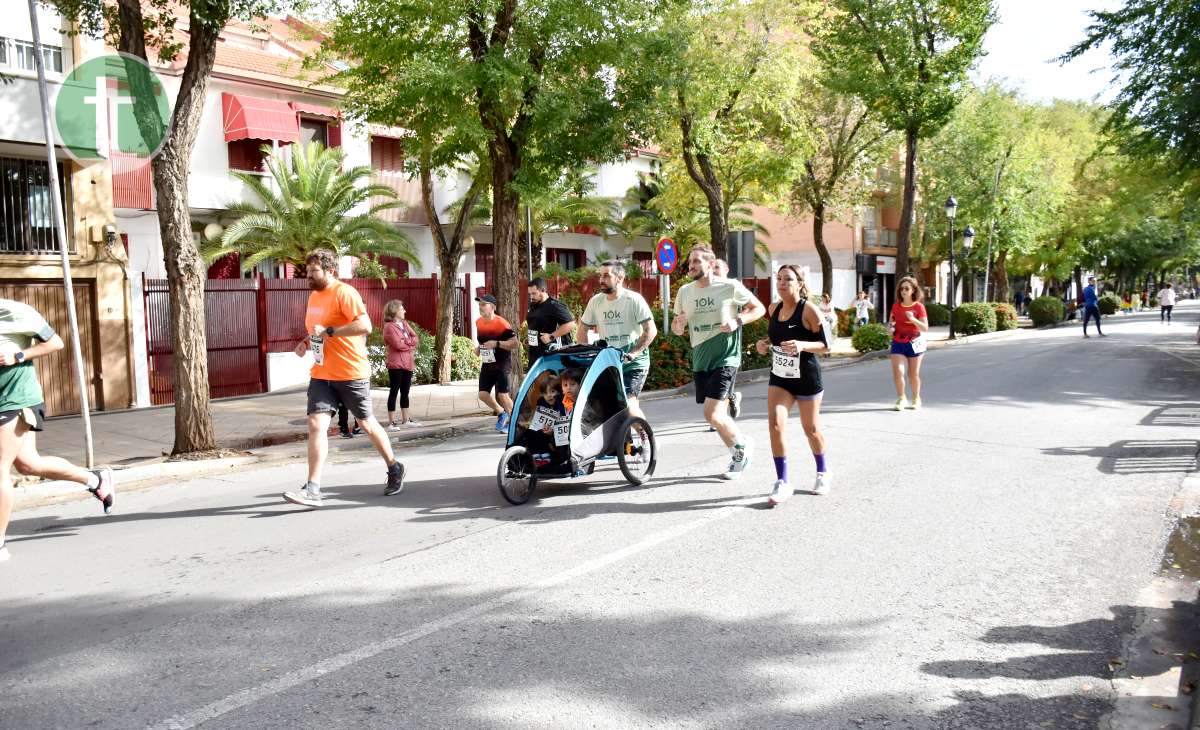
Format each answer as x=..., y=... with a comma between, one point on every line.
x=497, y=340
x=336, y=325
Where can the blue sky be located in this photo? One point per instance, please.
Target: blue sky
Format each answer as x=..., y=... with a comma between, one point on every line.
x=1029, y=33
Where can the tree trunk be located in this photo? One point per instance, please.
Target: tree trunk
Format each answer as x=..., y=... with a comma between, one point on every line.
x=906, y=207
x=506, y=210
x=822, y=250
x=1001, y=276
x=1078, y=275
x=699, y=168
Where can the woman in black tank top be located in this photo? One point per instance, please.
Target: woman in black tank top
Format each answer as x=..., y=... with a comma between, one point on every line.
x=795, y=337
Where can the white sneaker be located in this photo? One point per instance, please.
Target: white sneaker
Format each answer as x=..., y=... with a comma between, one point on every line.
x=413, y=424
x=780, y=492
x=739, y=460
x=4, y=553
x=824, y=483
x=304, y=497
x=394, y=427
x=901, y=402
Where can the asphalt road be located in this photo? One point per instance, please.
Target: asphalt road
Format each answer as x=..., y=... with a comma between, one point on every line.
x=976, y=565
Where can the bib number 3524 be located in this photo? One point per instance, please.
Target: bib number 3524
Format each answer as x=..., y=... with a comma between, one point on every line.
x=784, y=365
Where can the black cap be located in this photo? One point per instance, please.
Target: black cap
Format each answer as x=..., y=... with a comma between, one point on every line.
x=487, y=298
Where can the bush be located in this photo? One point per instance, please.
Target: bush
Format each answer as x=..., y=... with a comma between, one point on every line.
x=464, y=363
x=1046, y=310
x=939, y=314
x=871, y=337
x=1109, y=304
x=671, y=355
x=1006, y=316
x=974, y=318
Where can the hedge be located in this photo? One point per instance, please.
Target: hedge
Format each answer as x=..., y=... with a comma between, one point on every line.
x=1006, y=316
x=1046, y=310
x=1109, y=304
x=974, y=318
x=871, y=337
x=939, y=314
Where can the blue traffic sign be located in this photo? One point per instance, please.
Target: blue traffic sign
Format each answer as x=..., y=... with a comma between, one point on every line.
x=666, y=256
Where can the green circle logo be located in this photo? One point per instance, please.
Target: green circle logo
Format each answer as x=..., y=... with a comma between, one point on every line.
x=112, y=104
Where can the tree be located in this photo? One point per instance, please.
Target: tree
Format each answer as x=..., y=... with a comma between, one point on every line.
x=1156, y=44
x=310, y=202
x=133, y=27
x=539, y=87
x=907, y=61
x=850, y=146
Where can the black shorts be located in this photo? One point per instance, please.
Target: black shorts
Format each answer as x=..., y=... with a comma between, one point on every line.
x=324, y=396
x=493, y=378
x=35, y=416
x=634, y=381
x=716, y=383
x=808, y=385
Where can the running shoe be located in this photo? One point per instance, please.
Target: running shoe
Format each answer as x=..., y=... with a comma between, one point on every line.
x=395, y=479
x=823, y=483
x=915, y=405
x=413, y=424
x=735, y=405
x=106, y=490
x=4, y=553
x=305, y=497
x=900, y=403
x=502, y=422
x=394, y=427
x=346, y=434
x=740, y=459
x=780, y=492
x=357, y=431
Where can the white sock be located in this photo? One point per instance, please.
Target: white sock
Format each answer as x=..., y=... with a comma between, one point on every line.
x=93, y=481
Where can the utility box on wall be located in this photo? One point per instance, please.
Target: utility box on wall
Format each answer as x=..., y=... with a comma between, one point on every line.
x=741, y=254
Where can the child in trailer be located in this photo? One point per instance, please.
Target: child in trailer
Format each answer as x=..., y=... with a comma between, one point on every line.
x=547, y=413
x=569, y=381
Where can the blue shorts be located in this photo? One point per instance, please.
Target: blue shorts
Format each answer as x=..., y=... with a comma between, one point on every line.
x=905, y=349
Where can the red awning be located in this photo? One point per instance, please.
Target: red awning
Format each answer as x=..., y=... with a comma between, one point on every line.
x=249, y=117
x=316, y=110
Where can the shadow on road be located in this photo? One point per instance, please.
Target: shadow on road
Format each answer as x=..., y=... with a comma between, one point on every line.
x=1168, y=456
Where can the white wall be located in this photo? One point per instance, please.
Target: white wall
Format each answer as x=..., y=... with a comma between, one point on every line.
x=20, y=105
x=613, y=179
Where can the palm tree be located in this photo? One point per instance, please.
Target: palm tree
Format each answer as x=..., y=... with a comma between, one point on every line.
x=308, y=201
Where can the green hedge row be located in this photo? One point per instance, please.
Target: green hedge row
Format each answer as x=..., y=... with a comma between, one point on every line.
x=1046, y=311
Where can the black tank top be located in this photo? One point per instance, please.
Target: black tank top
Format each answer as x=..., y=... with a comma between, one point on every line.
x=793, y=329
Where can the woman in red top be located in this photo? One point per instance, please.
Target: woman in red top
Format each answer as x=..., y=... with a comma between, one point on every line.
x=909, y=324
x=401, y=341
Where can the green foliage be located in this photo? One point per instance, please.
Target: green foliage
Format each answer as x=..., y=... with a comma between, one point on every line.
x=309, y=203
x=974, y=318
x=1006, y=316
x=1046, y=311
x=465, y=363
x=939, y=314
x=671, y=355
x=1109, y=304
x=870, y=338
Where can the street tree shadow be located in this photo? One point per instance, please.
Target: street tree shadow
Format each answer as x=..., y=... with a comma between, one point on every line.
x=1164, y=456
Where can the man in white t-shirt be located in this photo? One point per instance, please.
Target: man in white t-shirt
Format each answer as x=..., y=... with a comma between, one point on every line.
x=623, y=319
x=862, y=310
x=1166, y=302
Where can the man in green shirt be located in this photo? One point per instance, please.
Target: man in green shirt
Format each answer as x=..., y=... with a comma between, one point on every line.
x=623, y=319
x=25, y=336
x=713, y=310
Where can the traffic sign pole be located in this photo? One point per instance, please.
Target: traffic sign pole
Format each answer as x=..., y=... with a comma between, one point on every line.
x=666, y=258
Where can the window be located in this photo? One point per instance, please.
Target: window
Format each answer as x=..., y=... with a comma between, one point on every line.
x=314, y=130
x=3, y=51
x=247, y=155
x=568, y=258
x=51, y=56
x=26, y=209
x=387, y=156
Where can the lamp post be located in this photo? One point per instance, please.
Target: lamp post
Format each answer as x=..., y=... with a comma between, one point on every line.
x=951, y=211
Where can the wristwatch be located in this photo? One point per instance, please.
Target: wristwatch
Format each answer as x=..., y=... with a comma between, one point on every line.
x=329, y=332
x=20, y=356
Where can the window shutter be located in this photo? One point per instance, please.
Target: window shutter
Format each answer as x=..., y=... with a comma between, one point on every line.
x=334, y=134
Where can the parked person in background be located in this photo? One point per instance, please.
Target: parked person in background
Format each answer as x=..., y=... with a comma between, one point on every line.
x=623, y=319
x=721, y=271
x=909, y=323
x=337, y=324
x=862, y=309
x=1091, y=306
x=1166, y=302
x=497, y=339
x=1019, y=302
x=401, y=340
x=24, y=337
x=549, y=321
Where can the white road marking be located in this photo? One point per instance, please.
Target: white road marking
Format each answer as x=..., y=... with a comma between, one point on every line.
x=250, y=695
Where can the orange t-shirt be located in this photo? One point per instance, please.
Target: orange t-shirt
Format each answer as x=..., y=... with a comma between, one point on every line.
x=343, y=358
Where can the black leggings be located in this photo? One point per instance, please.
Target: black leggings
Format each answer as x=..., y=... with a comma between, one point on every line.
x=398, y=380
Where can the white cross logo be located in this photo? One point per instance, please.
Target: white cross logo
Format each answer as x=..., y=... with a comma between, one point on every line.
x=101, y=99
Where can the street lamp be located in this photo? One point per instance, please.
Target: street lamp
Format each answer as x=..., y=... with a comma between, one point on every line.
x=951, y=211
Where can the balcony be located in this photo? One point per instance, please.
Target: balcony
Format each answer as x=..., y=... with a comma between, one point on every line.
x=878, y=238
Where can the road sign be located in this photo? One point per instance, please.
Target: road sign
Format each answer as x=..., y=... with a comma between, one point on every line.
x=666, y=256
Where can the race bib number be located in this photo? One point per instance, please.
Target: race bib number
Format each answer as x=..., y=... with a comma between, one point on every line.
x=784, y=365
x=532, y=338
x=919, y=344
x=617, y=340
x=316, y=343
x=487, y=355
x=562, y=432
x=542, y=418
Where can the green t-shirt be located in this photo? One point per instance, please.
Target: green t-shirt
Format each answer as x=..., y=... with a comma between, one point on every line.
x=706, y=309
x=20, y=325
x=621, y=322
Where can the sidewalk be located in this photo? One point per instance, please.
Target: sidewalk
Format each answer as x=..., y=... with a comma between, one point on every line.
x=130, y=436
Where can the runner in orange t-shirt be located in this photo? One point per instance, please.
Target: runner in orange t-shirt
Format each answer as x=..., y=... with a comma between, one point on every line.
x=497, y=339
x=336, y=326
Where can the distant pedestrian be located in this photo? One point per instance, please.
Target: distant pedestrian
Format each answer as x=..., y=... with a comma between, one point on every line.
x=549, y=321
x=401, y=341
x=1091, y=306
x=1019, y=301
x=24, y=337
x=497, y=340
x=721, y=271
x=795, y=336
x=336, y=325
x=862, y=309
x=1166, y=302
x=909, y=323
